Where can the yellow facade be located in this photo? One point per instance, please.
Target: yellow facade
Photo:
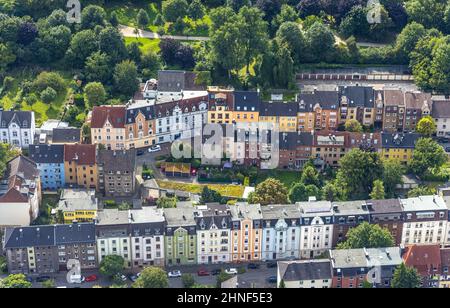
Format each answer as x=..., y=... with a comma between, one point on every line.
x=288, y=124
x=245, y=116
x=80, y=216
x=306, y=121
x=247, y=242
x=81, y=175
x=220, y=115
x=399, y=154
x=141, y=133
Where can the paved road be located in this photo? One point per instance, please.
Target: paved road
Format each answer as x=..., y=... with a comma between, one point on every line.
x=131, y=32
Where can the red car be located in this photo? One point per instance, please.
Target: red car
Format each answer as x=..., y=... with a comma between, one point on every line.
x=202, y=272
x=91, y=278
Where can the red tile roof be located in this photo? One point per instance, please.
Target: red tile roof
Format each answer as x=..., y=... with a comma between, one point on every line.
x=84, y=154
x=423, y=258
x=13, y=196
x=114, y=114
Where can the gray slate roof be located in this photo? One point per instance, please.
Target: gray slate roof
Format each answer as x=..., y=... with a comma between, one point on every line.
x=47, y=153
x=21, y=118
x=441, y=109
x=305, y=270
x=66, y=135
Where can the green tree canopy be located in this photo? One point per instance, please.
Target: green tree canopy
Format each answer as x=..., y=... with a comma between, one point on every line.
x=427, y=155
x=393, y=171
x=377, y=190
x=94, y=94
x=15, y=281
x=405, y=278
x=142, y=18
x=426, y=126
x=152, y=277
x=353, y=126
x=271, y=191
x=112, y=265
x=367, y=236
x=173, y=9
x=126, y=78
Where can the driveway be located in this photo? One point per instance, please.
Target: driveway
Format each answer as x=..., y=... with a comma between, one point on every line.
x=131, y=32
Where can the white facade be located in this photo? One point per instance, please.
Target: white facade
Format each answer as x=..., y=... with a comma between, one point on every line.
x=213, y=245
x=16, y=130
x=148, y=250
x=282, y=240
x=442, y=127
x=18, y=214
x=114, y=246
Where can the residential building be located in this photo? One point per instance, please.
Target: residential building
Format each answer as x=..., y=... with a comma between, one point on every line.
x=213, y=233
x=221, y=105
x=180, y=236
x=80, y=165
x=17, y=128
x=282, y=115
x=78, y=205
x=357, y=103
x=394, y=111
x=44, y=134
x=140, y=125
x=117, y=172
x=50, y=162
x=177, y=81
x=308, y=274
x=444, y=281
x=246, y=232
x=418, y=104
x=108, y=126
x=388, y=214
x=246, y=106
x=426, y=259
x=441, y=115
x=48, y=249
x=354, y=267
x=295, y=149
x=147, y=226
x=281, y=232
x=329, y=147
x=113, y=235
x=69, y=135
x=348, y=215
x=426, y=219
x=318, y=110
x=398, y=146
x=364, y=141
x=316, y=231
x=20, y=193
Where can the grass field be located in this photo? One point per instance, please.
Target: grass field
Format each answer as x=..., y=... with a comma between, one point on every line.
x=288, y=178
x=145, y=43
x=234, y=191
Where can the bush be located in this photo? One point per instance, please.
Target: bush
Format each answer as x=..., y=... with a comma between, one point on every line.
x=78, y=100
x=188, y=280
x=48, y=95
x=8, y=83
x=241, y=270
x=49, y=79
x=109, y=203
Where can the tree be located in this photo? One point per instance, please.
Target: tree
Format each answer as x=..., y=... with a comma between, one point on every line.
x=429, y=13
x=113, y=19
x=287, y=13
x=134, y=52
x=159, y=20
x=142, y=19
x=49, y=284
x=57, y=18
x=187, y=280
x=271, y=191
x=353, y=126
x=56, y=41
x=152, y=277
x=358, y=170
x=427, y=155
x=15, y=281
x=291, y=34
x=282, y=285
x=126, y=78
x=393, y=171
x=408, y=38
x=330, y=192
x=405, y=278
x=270, y=8
x=298, y=193
x=367, y=236
x=112, y=265
x=377, y=190
x=166, y=202
x=94, y=94
x=252, y=34
x=49, y=79
x=236, y=5
x=421, y=191
x=28, y=32
x=98, y=67
x=172, y=9
x=310, y=176
x=222, y=277
x=426, y=126
x=319, y=41
x=48, y=95
x=210, y=196
x=7, y=57
x=355, y=23
x=112, y=44
x=151, y=63
x=7, y=152
x=91, y=16
x=196, y=10
x=82, y=45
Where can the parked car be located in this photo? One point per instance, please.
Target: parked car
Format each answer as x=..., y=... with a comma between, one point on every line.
x=216, y=271
x=28, y=278
x=140, y=152
x=447, y=149
x=271, y=264
x=174, y=274
x=91, y=278
x=253, y=266
x=133, y=278
x=155, y=148
x=42, y=278
x=272, y=279
x=443, y=140
x=231, y=271
x=122, y=277
x=202, y=272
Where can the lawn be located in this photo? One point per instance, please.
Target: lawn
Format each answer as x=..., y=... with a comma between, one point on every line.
x=146, y=44
x=233, y=191
x=288, y=178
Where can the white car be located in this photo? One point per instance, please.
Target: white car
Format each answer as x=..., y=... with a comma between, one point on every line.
x=231, y=271
x=174, y=274
x=155, y=148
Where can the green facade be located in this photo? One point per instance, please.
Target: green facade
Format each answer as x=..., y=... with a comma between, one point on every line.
x=181, y=248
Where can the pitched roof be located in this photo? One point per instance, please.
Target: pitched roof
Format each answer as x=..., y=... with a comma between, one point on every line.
x=66, y=135
x=441, y=109
x=394, y=98
x=399, y=140
x=74, y=233
x=47, y=153
x=29, y=236
x=279, y=109
x=246, y=101
x=13, y=196
x=83, y=154
x=384, y=206
x=358, y=96
x=22, y=166
x=113, y=114
x=305, y=270
x=422, y=257
x=328, y=100
x=21, y=118
x=117, y=160
x=417, y=100
x=174, y=81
